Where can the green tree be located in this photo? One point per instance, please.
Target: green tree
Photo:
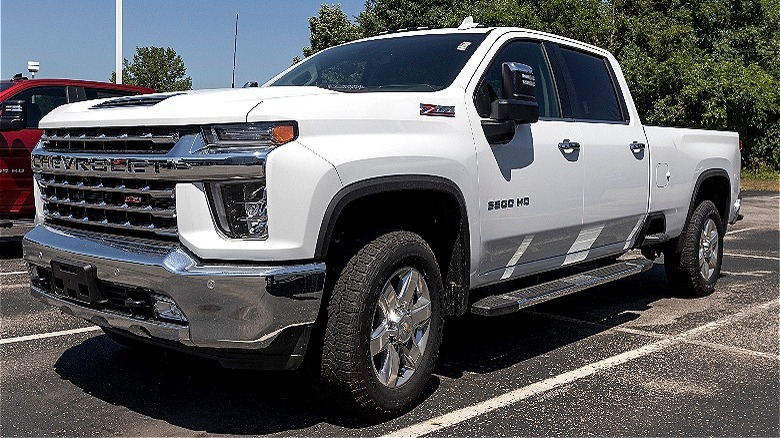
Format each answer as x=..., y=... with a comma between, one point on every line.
x=156, y=67
x=330, y=28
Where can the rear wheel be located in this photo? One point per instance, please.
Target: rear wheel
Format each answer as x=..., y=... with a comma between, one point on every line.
x=384, y=326
x=696, y=269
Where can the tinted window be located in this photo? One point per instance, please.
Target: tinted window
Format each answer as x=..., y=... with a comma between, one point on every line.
x=527, y=53
x=592, y=91
x=101, y=93
x=40, y=101
x=411, y=63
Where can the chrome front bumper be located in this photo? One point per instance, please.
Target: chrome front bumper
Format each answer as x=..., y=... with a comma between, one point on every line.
x=233, y=307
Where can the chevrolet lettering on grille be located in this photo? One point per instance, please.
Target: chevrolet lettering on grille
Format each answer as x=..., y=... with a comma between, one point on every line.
x=42, y=163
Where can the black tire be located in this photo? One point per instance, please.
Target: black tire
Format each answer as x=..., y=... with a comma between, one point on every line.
x=684, y=270
x=349, y=375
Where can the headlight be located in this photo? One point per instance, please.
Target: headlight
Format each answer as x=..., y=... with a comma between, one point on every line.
x=241, y=208
x=249, y=136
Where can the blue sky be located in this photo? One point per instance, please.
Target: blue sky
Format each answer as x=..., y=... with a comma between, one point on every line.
x=75, y=38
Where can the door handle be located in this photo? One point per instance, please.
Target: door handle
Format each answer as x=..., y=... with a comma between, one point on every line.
x=568, y=146
x=637, y=147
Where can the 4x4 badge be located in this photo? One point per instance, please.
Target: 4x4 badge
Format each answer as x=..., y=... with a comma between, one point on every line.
x=427, y=109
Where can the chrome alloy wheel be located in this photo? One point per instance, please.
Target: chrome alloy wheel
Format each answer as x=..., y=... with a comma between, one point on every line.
x=708, y=249
x=400, y=328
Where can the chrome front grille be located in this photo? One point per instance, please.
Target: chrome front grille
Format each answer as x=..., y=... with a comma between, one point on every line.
x=127, y=206
x=143, y=140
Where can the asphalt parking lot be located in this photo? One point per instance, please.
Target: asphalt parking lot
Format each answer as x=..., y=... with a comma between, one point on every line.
x=628, y=358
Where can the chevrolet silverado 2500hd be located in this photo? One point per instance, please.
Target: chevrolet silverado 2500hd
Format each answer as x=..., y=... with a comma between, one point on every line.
x=341, y=211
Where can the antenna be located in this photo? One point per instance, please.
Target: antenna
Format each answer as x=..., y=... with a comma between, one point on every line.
x=235, y=42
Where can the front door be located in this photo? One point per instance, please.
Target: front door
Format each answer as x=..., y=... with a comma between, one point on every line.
x=530, y=189
x=16, y=179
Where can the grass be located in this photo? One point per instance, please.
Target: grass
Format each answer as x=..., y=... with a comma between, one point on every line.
x=762, y=179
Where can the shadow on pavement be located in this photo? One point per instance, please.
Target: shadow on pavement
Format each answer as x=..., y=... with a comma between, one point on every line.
x=198, y=394
x=10, y=248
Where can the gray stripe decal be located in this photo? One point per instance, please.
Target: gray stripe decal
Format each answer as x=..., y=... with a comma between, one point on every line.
x=510, y=267
x=632, y=236
x=579, y=250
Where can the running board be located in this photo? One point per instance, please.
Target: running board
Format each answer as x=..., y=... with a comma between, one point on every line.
x=503, y=304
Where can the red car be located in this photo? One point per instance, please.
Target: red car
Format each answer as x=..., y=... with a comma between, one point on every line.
x=24, y=103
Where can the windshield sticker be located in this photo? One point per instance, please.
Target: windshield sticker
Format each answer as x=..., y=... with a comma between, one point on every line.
x=427, y=109
x=463, y=46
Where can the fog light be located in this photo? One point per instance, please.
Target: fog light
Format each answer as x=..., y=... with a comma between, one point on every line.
x=166, y=308
x=241, y=208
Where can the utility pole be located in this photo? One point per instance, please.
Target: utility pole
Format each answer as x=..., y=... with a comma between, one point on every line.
x=118, y=41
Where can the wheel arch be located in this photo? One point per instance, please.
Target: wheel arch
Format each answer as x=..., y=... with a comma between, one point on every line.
x=440, y=202
x=713, y=185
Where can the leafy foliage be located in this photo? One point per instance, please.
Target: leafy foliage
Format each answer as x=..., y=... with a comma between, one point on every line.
x=694, y=63
x=330, y=28
x=156, y=67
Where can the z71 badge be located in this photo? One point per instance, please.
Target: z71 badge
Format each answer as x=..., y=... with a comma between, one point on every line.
x=508, y=203
x=427, y=109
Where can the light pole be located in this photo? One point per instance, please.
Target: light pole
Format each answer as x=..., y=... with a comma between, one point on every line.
x=33, y=67
x=118, y=41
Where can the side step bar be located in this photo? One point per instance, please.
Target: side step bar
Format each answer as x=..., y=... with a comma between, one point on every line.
x=503, y=304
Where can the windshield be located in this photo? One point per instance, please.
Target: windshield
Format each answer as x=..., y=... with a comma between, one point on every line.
x=412, y=63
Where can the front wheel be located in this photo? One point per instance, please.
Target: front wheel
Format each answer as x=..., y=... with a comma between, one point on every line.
x=384, y=326
x=696, y=269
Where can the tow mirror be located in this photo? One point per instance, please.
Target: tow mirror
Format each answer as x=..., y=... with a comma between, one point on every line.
x=517, y=105
x=13, y=115
x=519, y=101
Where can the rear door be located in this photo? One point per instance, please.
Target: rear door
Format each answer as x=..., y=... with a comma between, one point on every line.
x=613, y=152
x=530, y=189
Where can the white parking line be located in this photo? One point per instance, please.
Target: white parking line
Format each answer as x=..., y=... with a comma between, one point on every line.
x=639, y=332
x=12, y=273
x=13, y=286
x=747, y=274
x=48, y=335
x=455, y=417
x=729, y=233
x=748, y=256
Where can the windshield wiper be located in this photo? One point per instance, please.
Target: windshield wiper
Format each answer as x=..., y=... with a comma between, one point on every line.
x=346, y=88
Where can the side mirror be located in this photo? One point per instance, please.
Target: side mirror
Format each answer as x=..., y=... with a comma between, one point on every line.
x=13, y=115
x=517, y=106
x=519, y=101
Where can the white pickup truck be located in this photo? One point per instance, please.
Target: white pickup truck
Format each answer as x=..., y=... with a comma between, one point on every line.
x=342, y=210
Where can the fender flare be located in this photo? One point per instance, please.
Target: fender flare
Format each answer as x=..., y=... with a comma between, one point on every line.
x=709, y=173
x=384, y=184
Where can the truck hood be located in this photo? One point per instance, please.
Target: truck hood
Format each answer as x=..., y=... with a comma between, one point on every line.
x=172, y=109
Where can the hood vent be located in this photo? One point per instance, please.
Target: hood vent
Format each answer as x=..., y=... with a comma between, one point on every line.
x=143, y=100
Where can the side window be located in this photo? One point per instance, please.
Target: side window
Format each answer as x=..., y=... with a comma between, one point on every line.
x=101, y=93
x=40, y=101
x=528, y=53
x=592, y=91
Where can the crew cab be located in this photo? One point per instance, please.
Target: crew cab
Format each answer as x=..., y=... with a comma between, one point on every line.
x=336, y=215
x=23, y=103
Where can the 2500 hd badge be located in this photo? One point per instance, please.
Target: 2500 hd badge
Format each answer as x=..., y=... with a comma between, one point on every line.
x=508, y=203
